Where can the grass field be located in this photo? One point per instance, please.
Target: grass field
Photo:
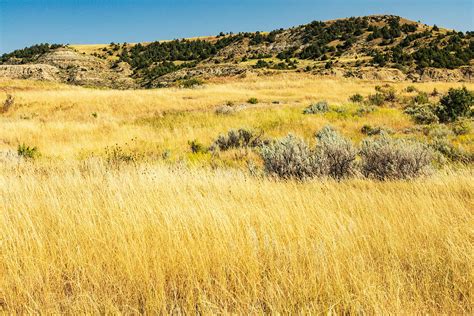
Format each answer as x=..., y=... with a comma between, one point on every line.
x=72, y=122
x=196, y=232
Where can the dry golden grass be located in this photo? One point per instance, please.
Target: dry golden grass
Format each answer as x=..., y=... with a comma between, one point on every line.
x=87, y=239
x=79, y=234
x=59, y=118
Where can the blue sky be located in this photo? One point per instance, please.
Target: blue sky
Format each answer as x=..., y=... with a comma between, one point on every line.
x=23, y=22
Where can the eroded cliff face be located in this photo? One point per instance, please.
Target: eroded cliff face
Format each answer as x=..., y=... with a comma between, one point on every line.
x=36, y=71
x=463, y=74
x=449, y=75
x=68, y=66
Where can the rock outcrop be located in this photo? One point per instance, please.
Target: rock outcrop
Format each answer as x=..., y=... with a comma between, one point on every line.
x=68, y=66
x=36, y=71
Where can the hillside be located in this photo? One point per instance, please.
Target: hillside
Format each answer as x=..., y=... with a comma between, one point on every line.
x=382, y=47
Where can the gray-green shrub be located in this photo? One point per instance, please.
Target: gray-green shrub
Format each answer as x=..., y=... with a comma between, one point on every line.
x=315, y=108
x=334, y=155
x=386, y=158
x=422, y=113
x=374, y=130
x=241, y=138
x=289, y=157
x=451, y=152
x=462, y=127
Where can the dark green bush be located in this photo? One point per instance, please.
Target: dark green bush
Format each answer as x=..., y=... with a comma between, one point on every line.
x=252, y=101
x=457, y=103
x=410, y=89
x=27, y=151
x=356, y=98
x=190, y=83
x=196, y=147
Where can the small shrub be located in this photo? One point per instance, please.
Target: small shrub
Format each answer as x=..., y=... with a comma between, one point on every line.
x=462, y=127
x=451, y=152
x=342, y=111
x=334, y=155
x=376, y=130
x=225, y=110
x=190, y=83
x=384, y=93
x=364, y=110
x=319, y=107
x=261, y=64
x=287, y=158
x=376, y=99
x=421, y=98
x=94, y=114
x=457, y=103
x=437, y=131
x=166, y=154
x=386, y=158
x=197, y=147
x=241, y=138
x=27, y=151
x=422, y=113
x=390, y=95
x=10, y=100
x=356, y=98
x=252, y=101
x=116, y=156
x=229, y=108
x=410, y=89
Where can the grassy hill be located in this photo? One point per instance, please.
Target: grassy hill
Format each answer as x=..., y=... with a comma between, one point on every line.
x=345, y=46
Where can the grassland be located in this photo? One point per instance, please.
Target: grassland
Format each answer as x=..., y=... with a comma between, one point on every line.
x=197, y=233
x=71, y=122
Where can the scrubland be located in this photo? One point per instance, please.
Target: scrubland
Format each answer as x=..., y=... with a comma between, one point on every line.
x=155, y=227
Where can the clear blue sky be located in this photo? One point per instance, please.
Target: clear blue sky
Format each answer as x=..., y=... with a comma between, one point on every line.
x=23, y=22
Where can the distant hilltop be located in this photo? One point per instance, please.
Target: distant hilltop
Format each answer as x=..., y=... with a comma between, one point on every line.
x=380, y=47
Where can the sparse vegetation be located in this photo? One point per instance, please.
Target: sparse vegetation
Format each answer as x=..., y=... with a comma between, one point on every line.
x=28, y=152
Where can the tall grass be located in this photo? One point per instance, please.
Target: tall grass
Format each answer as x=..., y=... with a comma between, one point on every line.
x=84, y=238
